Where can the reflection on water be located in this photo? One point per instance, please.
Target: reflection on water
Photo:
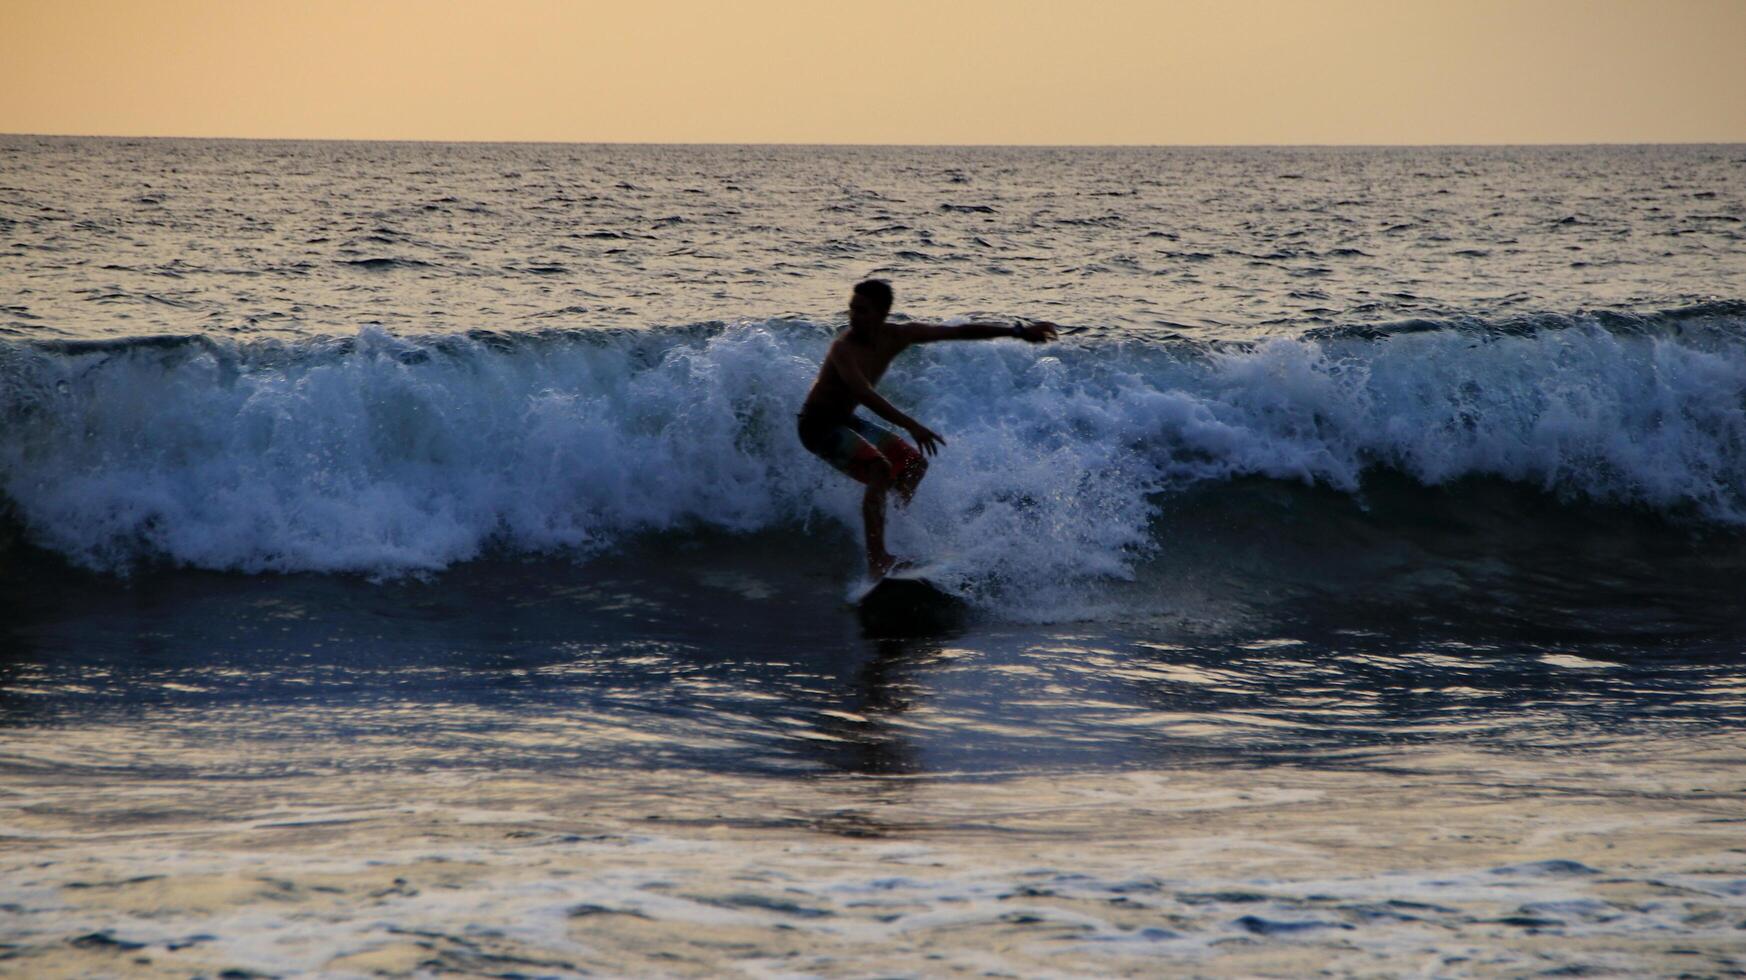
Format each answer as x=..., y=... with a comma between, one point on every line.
x=681, y=656
x=690, y=760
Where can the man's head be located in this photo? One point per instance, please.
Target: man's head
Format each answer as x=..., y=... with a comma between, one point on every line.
x=870, y=303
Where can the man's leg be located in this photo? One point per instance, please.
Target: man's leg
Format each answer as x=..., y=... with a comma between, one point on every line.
x=879, y=561
x=857, y=456
x=908, y=466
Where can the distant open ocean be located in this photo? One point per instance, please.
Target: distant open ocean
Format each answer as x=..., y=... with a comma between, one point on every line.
x=407, y=561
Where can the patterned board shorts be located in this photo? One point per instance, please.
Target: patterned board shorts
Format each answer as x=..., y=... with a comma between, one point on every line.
x=859, y=447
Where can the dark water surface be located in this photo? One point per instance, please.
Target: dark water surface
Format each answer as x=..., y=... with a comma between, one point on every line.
x=741, y=653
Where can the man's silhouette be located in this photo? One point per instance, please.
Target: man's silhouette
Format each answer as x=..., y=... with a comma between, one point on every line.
x=866, y=450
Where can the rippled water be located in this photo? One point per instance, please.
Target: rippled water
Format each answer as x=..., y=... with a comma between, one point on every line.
x=126, y=237
x=694, y=761
x=1358, y=589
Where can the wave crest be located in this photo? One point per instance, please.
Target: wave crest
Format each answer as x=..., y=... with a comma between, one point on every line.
x=385, y=455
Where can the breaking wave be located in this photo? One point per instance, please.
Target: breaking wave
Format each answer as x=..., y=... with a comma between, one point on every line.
x=387, y=455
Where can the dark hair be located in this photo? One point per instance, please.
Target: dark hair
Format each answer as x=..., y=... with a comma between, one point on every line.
x=877, y=290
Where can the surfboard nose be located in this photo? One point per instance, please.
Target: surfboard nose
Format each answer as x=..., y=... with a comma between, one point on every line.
x=897, y=606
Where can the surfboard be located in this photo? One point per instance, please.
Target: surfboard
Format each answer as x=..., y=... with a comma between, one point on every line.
x=909, y=602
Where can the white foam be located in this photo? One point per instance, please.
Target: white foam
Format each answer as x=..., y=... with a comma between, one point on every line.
x=389, y=455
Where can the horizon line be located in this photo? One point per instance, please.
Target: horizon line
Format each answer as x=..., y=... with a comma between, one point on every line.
x=801, y=143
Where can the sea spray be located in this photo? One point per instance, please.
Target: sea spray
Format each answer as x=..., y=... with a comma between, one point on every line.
x=386, y=454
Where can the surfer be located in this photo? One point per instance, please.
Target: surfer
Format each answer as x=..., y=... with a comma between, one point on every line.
x=864, y=449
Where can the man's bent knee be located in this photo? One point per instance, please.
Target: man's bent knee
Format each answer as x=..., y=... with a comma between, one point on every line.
x=909, y=471
x=878, y=474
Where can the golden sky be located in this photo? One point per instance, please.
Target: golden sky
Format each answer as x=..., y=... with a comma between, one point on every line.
x=883, y=71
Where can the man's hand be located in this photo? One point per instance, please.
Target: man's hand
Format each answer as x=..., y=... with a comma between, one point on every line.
x=926, y=439
x=1038, y=331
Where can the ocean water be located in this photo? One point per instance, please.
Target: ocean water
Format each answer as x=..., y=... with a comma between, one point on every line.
x=407, y=562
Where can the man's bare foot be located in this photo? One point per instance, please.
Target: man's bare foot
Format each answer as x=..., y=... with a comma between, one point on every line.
x=879, y=565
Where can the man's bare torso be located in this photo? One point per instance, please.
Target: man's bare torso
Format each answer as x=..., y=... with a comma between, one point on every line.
x=831, y=396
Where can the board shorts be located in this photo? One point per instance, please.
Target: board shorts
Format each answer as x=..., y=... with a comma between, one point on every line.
x=858, y=447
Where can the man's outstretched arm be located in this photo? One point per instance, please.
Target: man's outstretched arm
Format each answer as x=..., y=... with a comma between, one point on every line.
x=1035, y=331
